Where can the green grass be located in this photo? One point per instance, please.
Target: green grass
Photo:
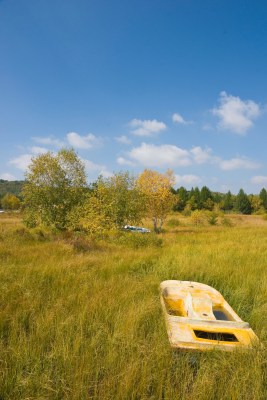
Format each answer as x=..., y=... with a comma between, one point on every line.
x=85, y=322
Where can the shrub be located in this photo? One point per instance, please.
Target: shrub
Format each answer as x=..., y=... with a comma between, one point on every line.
x=173, y=223
x=226, y=222
x=187, y=210
x=198, y=217
x=213, y=218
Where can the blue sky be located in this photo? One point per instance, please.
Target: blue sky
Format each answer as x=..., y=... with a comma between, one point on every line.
x=137, y=84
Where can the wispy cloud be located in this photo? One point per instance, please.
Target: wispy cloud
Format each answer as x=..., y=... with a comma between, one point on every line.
x=177, y=118
x=21, y=162
x=82, y=142
x=94, y=170
x=123, y=139
x=187, y=179
x=235, y=114
x=124, y=161
x=259, y=180
x=146, y=127
x=238, y=163
x=38, y=150
x=49, y=141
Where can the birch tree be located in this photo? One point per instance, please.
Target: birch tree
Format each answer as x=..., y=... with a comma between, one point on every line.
x=159, y=199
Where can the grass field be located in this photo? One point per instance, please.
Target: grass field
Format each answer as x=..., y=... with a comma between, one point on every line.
x=83, y=320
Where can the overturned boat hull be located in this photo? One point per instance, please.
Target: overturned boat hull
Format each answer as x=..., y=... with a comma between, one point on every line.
x=198, y=317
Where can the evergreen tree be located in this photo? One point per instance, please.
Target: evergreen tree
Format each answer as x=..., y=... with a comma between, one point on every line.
x=194, y=197
x=182, y=198
x=217, y=197
x=242, y=203
x=263, y=197
x=228, y=201
x=206, y=198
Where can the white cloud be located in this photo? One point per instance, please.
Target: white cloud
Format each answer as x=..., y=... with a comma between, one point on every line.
x=82, y=142
x=177, y=118
x=235, y=114
x=7, y=176
x=123, y=139
x=187, y=179
x=201, y=156
x=91, y=166
x=38, y=150
x=146, y=127
x=259, y=180
x=238, y=163
x=170, y=156
x=123, y=161
x=49, y=141
x=150, y=155
x=22, y=161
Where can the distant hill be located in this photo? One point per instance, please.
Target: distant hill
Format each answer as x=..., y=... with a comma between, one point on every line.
x=13, y=187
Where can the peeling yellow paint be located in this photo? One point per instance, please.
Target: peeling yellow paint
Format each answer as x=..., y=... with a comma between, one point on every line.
x=198, y=317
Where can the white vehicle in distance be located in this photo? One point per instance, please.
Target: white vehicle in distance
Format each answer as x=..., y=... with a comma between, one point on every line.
x=136, y=229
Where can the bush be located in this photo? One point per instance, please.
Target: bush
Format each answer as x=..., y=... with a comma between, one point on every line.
x=187, y=210
x=173, y=223
x=213, y=218
x=198, y=217
x=226, y=222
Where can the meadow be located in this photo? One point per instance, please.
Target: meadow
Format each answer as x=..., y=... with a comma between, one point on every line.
x=81, y=319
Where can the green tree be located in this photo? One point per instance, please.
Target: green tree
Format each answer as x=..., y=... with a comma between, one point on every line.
x=217, y=197
x=194, y=198
x=192, y=203
x=12, y=187
x=205, y=198
x=263, y=197
x=112, y=203
x=125, y=198
x=55, y=184
x=10, y=202
x=227, y=203
x=180, y=199
x=242, y=203
x=94, y=216
x=256, y=203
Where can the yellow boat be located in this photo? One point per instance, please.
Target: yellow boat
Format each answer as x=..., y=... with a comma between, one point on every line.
x=198, y=317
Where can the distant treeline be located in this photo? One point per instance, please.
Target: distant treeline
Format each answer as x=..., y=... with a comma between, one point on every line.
x=185, y=200
x=10, y=194
x=204, y=198
x=12, y=187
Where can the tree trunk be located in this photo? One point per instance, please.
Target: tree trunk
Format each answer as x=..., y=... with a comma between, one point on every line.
x=161, y=223
x=155, y=223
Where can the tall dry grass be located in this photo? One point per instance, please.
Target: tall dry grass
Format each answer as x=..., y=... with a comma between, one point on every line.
x=84, y=322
